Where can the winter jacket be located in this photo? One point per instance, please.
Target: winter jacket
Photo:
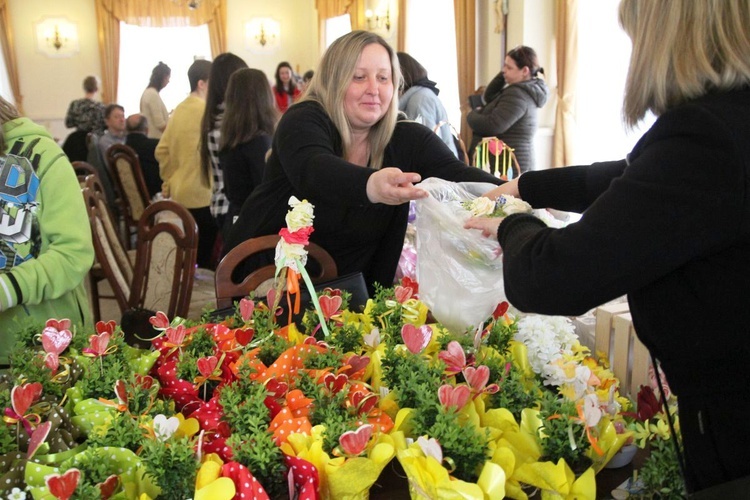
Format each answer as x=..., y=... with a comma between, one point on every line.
x=512, y=118
x=422, y=105
x=44, y=234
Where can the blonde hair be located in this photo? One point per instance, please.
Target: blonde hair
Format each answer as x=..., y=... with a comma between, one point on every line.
x=683, y=49
x=332, y=79
x=8, y=112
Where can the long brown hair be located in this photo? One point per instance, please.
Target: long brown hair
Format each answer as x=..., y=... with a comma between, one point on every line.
x=221, y=69
x=250, y=109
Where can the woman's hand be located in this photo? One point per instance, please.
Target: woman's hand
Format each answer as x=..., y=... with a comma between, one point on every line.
x=391, y=186
x=510, y=187
x=488, y=225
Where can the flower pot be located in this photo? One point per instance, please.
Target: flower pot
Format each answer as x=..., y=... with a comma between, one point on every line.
x=622, y=457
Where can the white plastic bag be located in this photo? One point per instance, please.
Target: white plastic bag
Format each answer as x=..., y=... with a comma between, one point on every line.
x=459, y=271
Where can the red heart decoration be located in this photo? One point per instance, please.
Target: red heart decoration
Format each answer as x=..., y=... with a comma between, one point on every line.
x=207, y=365
x=330, y=305
x=456, y=396
x=121, y=392
x=247, y=307
x=496, y=146
x=335, y=383
x=61, y=324
x=37, y=437
x=52, y=361
x=354, y=442
x=403, y=293
x=54, y=340
x=275, y=388
x=109, y=486
x=243, y=336
x=501, y=309
x=63, y=486
x=176, y=336
x=357, y=363
x=99, y=342
x=416, y=339
x=478, y=377
x=159, y=321
x=364, y=402
x=144, y=381
x=23, y=396
x=108, y=327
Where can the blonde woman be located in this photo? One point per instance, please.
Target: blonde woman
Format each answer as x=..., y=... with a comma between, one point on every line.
x=341, y=149
x=669, y=226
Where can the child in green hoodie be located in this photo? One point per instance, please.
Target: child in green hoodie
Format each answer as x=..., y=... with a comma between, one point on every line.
x=45, y=238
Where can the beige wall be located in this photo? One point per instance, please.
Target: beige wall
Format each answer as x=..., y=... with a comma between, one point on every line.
x=48, y=84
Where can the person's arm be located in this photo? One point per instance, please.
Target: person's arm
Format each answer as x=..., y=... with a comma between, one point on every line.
x=243, y=168
x=70, y=117
x=679, y=200
x=494, y=88
x=499, y=115
x=67, y=251
x=153, y=107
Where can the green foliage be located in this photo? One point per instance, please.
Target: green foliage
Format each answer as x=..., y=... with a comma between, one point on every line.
x=172, y=465
x=7, y=438
x=558, y=415
x=28, y=365
x=252, y=445
x=314, y=360
x=446, y=337
x=347, y=338
x=516, y=391
x=272, y=348
x=102, y=373
x=329, y=409
x=462, y=443
x=95, y=469
x=500, y=335
x=660, y=473
x=201, y=345
x=388, y=317
x=121, y=432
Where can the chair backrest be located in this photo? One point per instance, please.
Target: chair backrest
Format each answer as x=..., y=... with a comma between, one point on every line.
x=82, y=170
x=108, y=248
x=227, y=288
x=496, y=157
x=460, y=144
x=166, y=252
x=126, y=171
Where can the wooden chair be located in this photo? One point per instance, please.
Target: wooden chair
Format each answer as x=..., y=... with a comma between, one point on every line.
x=111, y=258
x=126, y=171
x=84, y=169
x=227, y=289
x=166, y=252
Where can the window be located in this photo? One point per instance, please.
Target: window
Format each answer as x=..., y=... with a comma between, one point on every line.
x=141, y=48
x=5, y=89
x=337, y=27
x=603, y=56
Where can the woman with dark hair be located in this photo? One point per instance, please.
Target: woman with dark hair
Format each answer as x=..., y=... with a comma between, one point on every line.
x=222, y=68
x=285, y=90
x=152, y=107
x=513, y=98
x=85, y=115
x=249, y=121
x=419, y=99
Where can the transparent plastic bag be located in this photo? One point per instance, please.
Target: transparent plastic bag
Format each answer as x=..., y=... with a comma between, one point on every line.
x=460, y=272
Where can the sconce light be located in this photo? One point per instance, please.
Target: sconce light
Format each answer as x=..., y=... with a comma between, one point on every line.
x=57, y=37
x=379, y=20
x=262, y=34
x=191, y=4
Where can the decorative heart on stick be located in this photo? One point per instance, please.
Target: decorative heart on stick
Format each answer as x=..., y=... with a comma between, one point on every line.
x=23, y=396
x=207, y=365
x=354, y=442
x=416, y=339
x=54, y=340
x=330, y=305
x=62, y=486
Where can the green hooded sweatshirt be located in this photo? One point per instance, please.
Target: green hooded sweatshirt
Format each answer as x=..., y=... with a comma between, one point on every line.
x=45, y=238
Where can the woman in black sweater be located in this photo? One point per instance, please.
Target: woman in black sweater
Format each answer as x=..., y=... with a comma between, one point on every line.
x=669, y=226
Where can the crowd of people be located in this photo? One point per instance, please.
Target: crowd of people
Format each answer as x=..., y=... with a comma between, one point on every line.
x=669, y=225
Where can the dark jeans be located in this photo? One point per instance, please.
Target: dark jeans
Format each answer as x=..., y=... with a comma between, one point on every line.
x=207, y=232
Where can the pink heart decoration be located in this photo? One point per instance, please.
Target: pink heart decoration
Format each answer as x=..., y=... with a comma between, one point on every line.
x=52, y=361
x=207, y=365
x=63, y=486
x=335, y=383
x=330, y=305
x=403, y=293
x=247, y=307
x=431, y=448
x=144, y=381
x=243, y=336
x=496, y=146
x=38, y=436
x=159, y=321
x=23, y=396
x=121, y=392
x=176, y=336
x=457, y=397
x=58, y=324
x=416, y=339
x=364, y=402
x=99, y=343
x=54, y=340
x=477, y=377
x=270, y=297
x=453, y=357
x=354, y=442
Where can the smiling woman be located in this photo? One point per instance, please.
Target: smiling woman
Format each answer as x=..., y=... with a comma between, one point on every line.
x=341, y=149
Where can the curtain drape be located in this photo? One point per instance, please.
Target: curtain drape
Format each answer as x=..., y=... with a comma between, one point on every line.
x=9, y=53
x=161, y=13
x=401, y=32
x=334, y=8
x=567, y=67
x=465, y=12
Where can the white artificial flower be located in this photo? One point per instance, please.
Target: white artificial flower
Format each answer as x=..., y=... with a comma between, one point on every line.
x=546, y=338
x=17, y=494
x=301, y=214
x=513, y=205
x=481, y=207
x=286, y=253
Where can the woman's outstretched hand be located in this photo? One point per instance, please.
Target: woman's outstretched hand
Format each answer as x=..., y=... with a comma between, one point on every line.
x=391, y=186
x=488, y=225
x=510, y=187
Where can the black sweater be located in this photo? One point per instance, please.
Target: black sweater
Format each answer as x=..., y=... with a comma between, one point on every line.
x=670, y=227
x=306, y=161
